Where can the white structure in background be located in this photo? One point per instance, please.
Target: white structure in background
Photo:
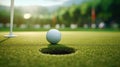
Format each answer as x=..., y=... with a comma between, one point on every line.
x=115, y=26
x=93, y=26
x=73, y=26
x=1, y=25
x=101, y=25
x=36, y=26
x=46, y=26
x=85, y=26
x=62, y=26
x=23, y=26
x=57, y=26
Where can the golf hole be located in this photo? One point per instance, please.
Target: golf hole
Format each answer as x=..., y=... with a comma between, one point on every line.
x=57, y=50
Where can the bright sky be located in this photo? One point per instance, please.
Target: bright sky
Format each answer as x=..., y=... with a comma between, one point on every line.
x=34, y=2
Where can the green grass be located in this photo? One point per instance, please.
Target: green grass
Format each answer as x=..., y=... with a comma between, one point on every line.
x=93, y=49
x=61, y=29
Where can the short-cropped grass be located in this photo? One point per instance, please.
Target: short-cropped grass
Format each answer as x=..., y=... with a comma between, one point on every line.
x=93, y=49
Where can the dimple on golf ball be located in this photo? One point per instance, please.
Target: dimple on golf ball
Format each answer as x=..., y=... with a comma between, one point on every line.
x=53, y=36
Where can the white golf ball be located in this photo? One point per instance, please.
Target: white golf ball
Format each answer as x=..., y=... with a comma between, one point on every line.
x=53, y=36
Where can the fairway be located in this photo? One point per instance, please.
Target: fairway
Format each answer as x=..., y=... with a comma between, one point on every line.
x=93, y=49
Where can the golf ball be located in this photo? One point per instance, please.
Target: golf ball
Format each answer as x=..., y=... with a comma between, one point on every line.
x=53, y=36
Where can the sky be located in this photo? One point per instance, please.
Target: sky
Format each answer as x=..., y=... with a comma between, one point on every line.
x=45, y=3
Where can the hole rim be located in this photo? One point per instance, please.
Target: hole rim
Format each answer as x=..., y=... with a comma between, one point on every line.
x=58, y=49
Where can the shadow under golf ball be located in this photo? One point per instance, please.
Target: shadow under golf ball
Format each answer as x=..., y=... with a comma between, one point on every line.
x=57, y=50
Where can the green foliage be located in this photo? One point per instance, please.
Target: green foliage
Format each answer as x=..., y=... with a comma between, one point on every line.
x=72, y=9
x=94, y=3
x=114, y=8
x=76, y=15
x=4, y=14
x=105, y=4
x=104, y=9
x=84, y=8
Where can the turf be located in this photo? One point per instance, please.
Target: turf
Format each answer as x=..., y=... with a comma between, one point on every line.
x=93, y=49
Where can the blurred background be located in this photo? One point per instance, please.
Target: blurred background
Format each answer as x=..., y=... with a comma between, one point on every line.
x=61, y=14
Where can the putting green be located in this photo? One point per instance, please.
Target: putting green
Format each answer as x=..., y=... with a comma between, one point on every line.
x=93, y=49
